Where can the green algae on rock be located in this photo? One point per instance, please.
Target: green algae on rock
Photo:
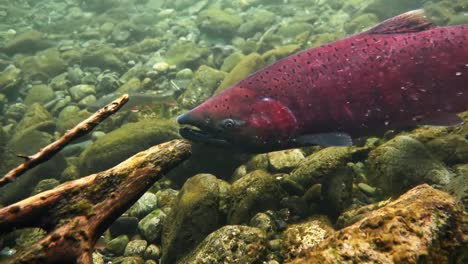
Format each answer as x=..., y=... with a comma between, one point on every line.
x=201, y=87
x=113, y=148
x=218, y=22
x=300, y=238
x=230, y=244
x=245, y=67
x=194, y=215
x=423, y=224
x=256, y=192
x=404, y=162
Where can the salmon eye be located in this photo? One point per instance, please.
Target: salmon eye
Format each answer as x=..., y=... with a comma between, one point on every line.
x=228, y=123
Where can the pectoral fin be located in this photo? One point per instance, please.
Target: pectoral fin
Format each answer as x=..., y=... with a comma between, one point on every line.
x=440, y=119
x=325, y=139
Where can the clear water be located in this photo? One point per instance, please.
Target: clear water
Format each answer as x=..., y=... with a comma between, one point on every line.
x=60, y=61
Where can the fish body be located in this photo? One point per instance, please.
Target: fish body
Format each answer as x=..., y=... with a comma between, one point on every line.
x=404, y=71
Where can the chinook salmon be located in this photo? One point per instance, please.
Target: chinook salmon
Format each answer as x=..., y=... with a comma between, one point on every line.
x=404, y=71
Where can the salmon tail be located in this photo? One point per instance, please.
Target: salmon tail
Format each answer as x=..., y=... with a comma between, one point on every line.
x=412, y=21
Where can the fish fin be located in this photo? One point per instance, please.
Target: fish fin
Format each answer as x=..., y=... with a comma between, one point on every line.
x=325, y=139
x=440, y=119
x=412, y=21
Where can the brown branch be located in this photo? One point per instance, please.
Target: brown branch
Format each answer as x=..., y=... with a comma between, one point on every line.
x=76, y=213
x=79, y=130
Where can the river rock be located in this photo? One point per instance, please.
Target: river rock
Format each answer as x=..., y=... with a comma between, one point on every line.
x=26, y=42
x=230, y=244
x=245, y=67
x=151, y=225
x=10, y=78
x=39, y=94
x=423, y=225
x=402, y=163
x=135, y=247
x=194, y=215
x=321, y=164
x=113, y=147
x=302, y=237
x=201, y=87
x=117, y=245
x=285, y=161
x=256, y=192
x=147, y=203
x=218, y=22
x=42, y=66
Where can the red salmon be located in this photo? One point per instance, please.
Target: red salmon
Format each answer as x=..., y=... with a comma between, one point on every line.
x=405, y=71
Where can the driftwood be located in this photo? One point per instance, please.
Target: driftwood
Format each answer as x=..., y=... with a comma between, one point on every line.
x=79, y=130
x=76, y=213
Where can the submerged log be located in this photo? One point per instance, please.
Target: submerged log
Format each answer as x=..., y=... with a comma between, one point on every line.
x=76, y=213
x=424, y=225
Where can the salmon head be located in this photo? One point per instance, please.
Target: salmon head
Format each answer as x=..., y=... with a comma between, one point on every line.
x=240, y=119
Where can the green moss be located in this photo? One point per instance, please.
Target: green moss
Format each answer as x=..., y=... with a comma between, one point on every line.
x=218, y=22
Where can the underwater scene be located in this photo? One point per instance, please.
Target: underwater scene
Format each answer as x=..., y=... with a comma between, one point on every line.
x=242, y=131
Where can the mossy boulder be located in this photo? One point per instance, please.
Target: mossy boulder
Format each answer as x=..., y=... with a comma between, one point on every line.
x=257, y=22
x=194, y=215
x=231, y=244
x=231, y=61
x=43, y=66
x=151, y=225
x=423, y=225
x=117, y=245
x=256, y=192
x=10, y=78
x=125, y=141
x=103, y=57
x=301, y=237
x=143, y=206
x=36, y=118
x=218, y=22
x=249, y=64
x=70, y=116
x=201, y=87
x=186, y=54
x=26, y=42
x=39, y=94
x=402, y=163
x=284, y=161
x=136, y=247
x=322, y=164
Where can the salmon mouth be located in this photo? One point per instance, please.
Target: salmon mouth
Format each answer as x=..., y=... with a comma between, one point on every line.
x=201, y=136
x=200, y=133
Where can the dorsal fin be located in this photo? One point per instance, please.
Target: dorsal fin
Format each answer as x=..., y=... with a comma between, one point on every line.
x=412, y=21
